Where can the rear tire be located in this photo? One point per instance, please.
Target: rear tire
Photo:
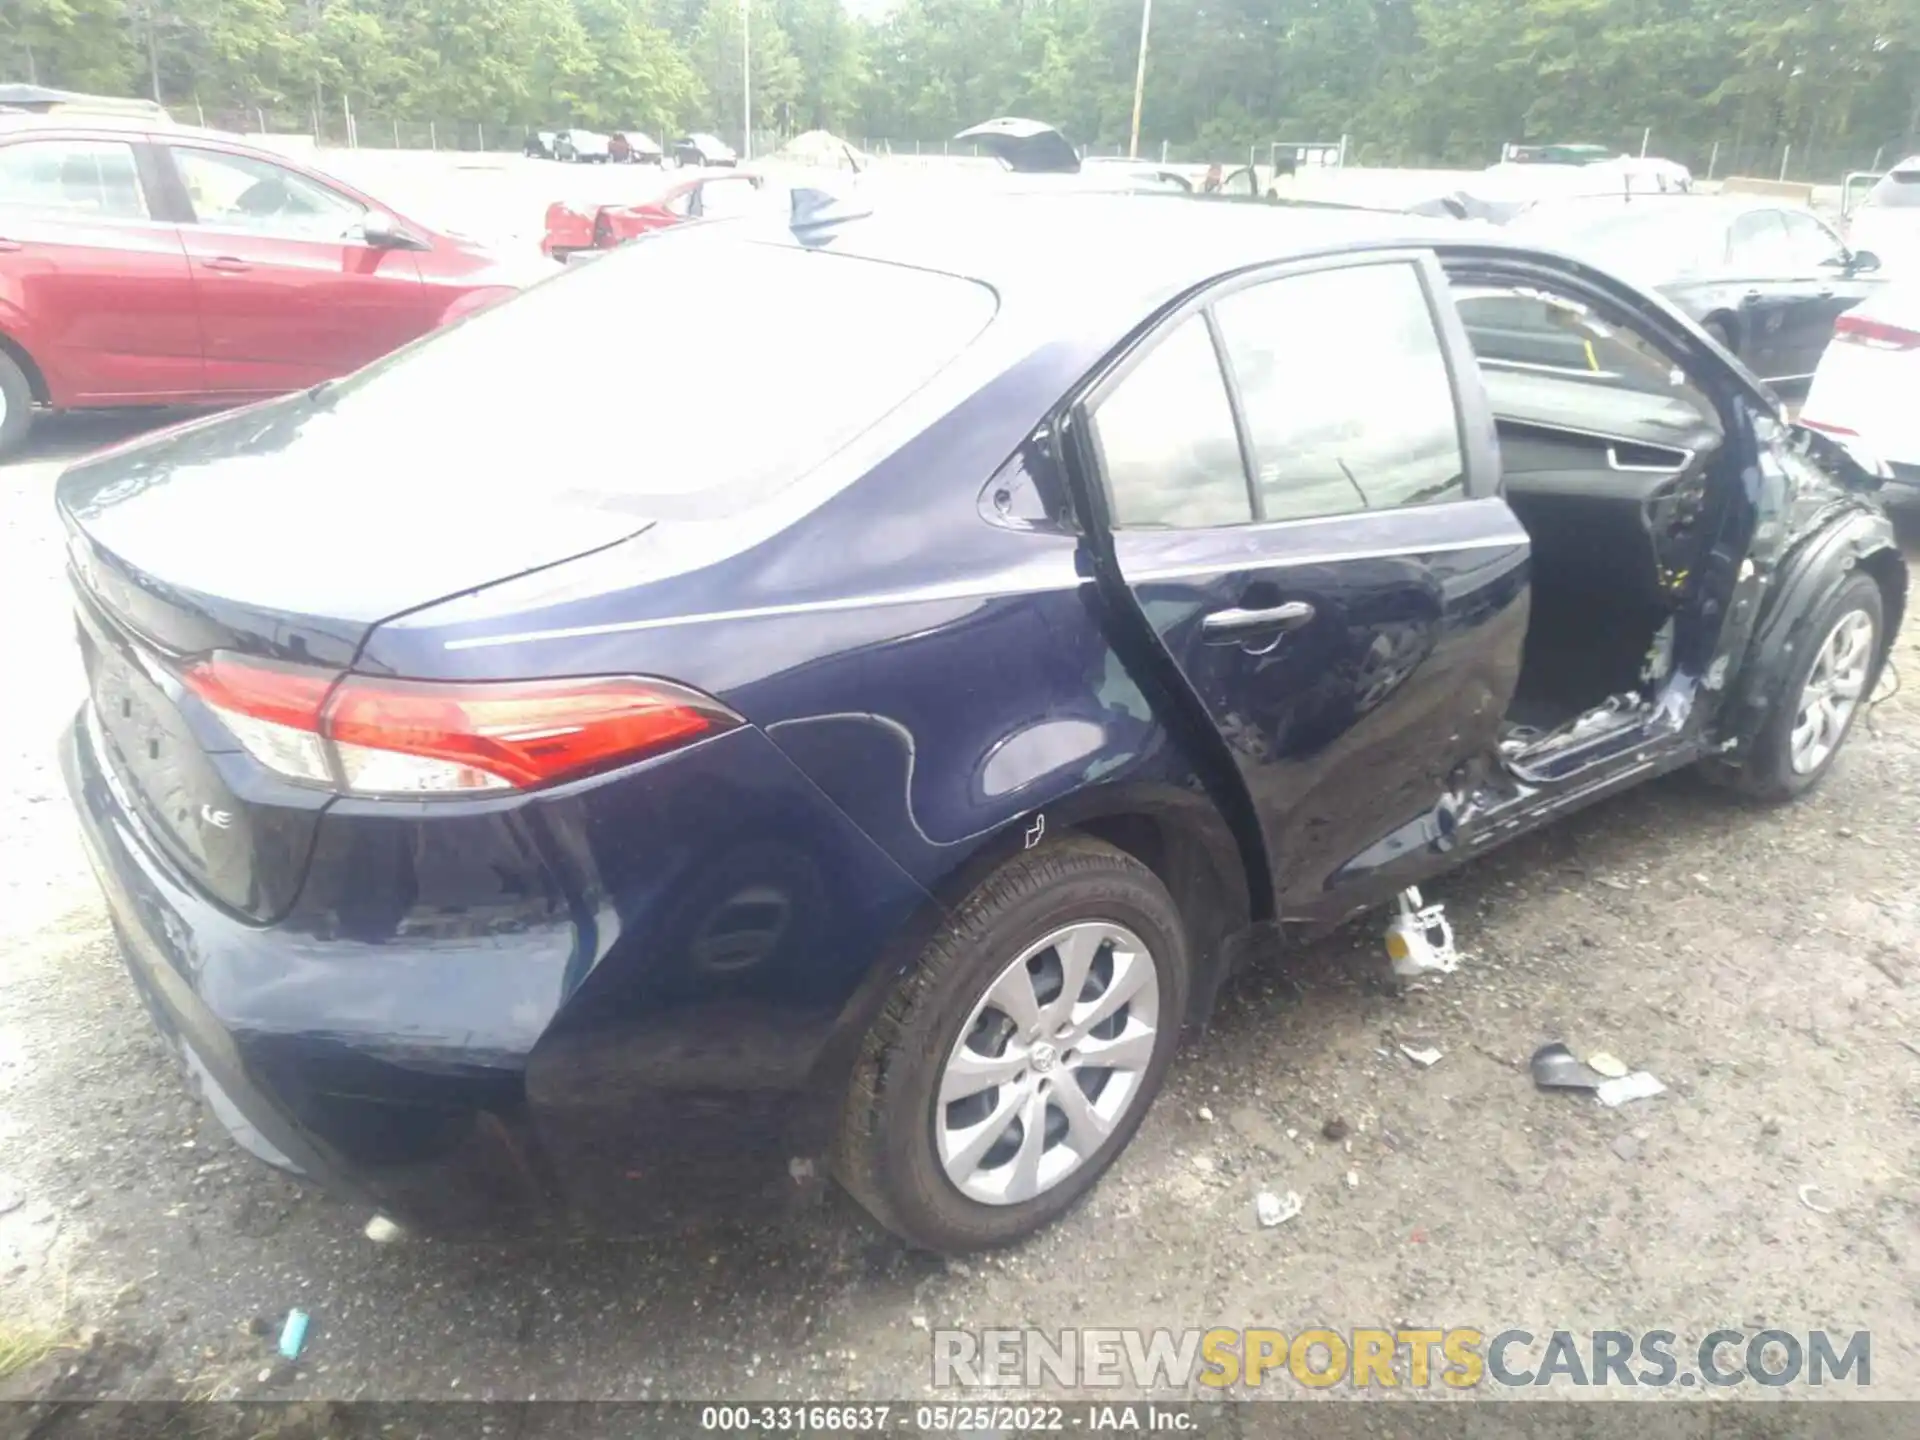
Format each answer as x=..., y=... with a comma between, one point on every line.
x=16, y=405
x=1077, y=908
x=1819, y=697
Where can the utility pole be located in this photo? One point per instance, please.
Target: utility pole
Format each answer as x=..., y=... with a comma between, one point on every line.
x=153, y=51
x=746, y=81
x=1140, y=79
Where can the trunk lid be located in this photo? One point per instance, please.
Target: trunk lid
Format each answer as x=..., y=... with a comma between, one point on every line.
x=1031, y=147
x=292, y=528
x=271, y=532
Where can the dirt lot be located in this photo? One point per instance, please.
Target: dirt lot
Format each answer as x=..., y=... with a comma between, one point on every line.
x=1761, y=962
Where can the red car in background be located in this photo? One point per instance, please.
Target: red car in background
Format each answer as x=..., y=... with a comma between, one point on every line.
x=732, y=192
x=143, y=263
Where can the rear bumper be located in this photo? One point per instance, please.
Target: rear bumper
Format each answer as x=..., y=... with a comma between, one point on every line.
x=157, y=922
x=622, y=1062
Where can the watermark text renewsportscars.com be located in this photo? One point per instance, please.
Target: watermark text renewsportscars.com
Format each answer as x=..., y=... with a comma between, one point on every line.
x=1457, y=1358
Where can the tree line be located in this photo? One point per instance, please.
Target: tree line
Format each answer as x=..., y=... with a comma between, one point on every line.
x=1441, y=81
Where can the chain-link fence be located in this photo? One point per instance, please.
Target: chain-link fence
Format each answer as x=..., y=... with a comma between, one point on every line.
x=340, y=125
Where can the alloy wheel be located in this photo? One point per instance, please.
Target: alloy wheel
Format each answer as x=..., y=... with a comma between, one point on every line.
x=1833, y=691
x=1050, y=1061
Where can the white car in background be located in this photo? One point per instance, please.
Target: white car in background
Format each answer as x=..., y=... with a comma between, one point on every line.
x=1887, y=219
x=1866, y=391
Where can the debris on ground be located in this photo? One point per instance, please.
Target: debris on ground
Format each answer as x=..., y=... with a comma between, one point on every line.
x=1335, y=1129
x=1419, y=939
x=383, y=1231
x=1602, y=1062
x=1637, y=1086
x=1421, y=1057
x=1626, y=1147
x=1806, y=1194
x=293, y=1335
x=1271, y=1209
x=1205, y=1114
x=1555, y=1067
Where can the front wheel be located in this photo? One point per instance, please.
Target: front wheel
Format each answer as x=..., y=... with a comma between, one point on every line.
x=16, y=405
x=1819, y=697
x=1016, y=1060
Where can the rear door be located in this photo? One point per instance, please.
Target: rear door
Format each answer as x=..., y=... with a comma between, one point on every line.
x=288, y=293
x=1303, y=504
x=92, y=280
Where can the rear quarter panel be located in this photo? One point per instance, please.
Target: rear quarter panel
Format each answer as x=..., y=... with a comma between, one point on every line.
x=940, y=679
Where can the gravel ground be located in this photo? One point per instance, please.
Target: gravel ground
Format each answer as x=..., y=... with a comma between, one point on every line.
x=1761, y=962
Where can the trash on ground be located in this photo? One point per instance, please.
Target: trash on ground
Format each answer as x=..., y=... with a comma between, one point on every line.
x=293, y=1335
x=1806, y=1191
x=1335, y=1129
x=1557, y=1068
x=1626, y=1147
x=1419, y=939
x=1637, y=1086
x=1206, y=1114
x=383, y=1231
x=1272, y=1209
x=1422, y=1058
x=1353, y=1179
x=1602, y=1062
x=1911, y=1046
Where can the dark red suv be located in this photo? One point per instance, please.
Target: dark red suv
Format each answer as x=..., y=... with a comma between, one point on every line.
x=147, y=264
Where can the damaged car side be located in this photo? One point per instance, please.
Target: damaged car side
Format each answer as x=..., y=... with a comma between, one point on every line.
x=1104, y=585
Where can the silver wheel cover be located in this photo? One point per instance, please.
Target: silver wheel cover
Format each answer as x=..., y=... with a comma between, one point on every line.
x=1051, y=1060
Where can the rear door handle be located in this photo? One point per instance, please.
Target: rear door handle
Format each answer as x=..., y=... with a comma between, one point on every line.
x=227, y=264
x=1227, y=626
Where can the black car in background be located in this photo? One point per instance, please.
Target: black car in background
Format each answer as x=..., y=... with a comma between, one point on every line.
x=1765, y=279
x=700, y=148
x=585, y=147
x=539, y=144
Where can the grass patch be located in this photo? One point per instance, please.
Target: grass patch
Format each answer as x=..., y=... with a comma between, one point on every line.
x=24, y=1345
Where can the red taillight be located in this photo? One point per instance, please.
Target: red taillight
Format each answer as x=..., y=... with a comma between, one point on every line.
x=279, y=694
x=373, y=736
x=1858, y=330
x=528, y=733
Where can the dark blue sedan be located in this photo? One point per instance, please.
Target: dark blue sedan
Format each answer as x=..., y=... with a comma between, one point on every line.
x=836, y=699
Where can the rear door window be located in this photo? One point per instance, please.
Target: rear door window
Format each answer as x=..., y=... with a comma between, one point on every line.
x=1345, y=389
x=80, y=179
x=1167, y=440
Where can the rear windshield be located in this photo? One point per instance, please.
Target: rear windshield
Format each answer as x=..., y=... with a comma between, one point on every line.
x=685, y=365
x=1898, y=189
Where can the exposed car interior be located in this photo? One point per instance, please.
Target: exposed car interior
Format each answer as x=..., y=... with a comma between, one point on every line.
x=1606, y=451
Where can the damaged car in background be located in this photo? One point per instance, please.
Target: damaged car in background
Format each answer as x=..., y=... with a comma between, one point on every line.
x=1104, y=587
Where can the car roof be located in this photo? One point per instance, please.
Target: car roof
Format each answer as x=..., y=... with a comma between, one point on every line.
x=101, y=123
x=1723, y=207
x=1135, y=249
